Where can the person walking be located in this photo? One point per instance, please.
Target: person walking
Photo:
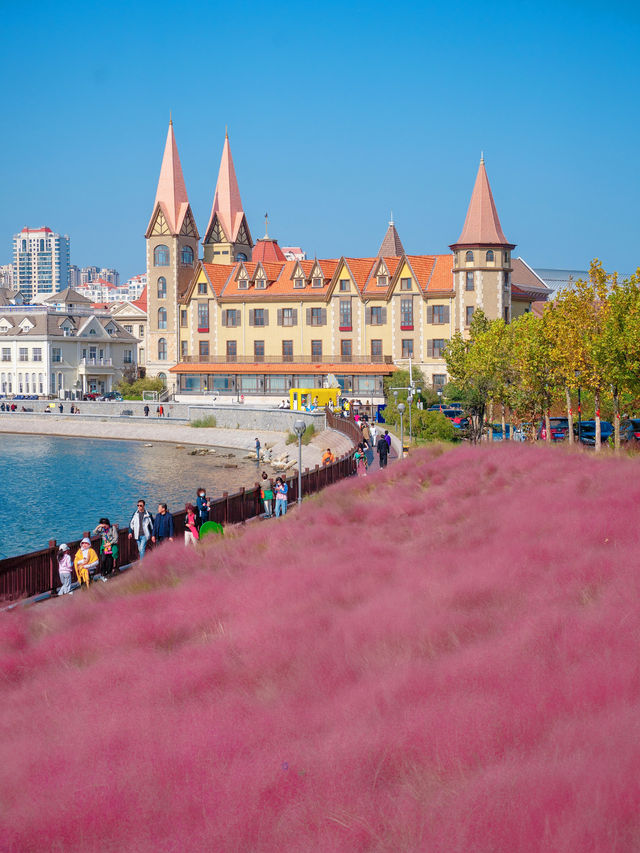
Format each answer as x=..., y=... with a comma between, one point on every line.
x=373, y=429
x=366, y=432
x=65, y=567
x=282, y=490
x=108, y=534
x=141, y=527
x=266, y=493
x=61, y=407
x=85, y=560
x=361, y=461
x=202, y=502
x=161, y=411
x=146, y=411
x=328, y=457
x=191, y=534
x=257, y=451
x=383, y=451
x=162, y=526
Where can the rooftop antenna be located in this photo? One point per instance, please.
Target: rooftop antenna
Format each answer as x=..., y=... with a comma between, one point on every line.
x=266, y=226
x=391, y=220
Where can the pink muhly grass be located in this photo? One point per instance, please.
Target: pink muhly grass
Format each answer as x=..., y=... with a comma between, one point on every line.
x=440, y=657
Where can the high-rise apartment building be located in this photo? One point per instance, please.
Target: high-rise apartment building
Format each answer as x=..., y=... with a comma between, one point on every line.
x=6, y=276
x=40, y=262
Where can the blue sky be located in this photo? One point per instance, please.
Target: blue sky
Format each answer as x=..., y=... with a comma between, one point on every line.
x=337, y=114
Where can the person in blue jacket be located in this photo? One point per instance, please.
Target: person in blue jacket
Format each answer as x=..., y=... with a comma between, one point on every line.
x=202, y=507
x=162, y=526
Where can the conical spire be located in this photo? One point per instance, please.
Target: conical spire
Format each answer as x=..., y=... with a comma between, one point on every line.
x=226, y=201
x=482, y=225
x=172, y=192
x=391, y=246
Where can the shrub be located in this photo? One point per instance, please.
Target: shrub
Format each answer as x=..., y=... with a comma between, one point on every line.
x=307, y=435
x=434, y=426
x=133, y=391
x=208, y=421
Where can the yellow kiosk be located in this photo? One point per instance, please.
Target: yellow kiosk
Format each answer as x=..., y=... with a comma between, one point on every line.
x=306, y=398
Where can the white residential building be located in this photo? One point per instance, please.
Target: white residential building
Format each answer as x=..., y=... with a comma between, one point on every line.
x=40, y=262
x=6, y=276
x=64, y=352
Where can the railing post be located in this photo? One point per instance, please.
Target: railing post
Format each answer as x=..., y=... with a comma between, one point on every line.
x=256, y=506
x=243, y=516
x=225, y=504
x=53, y=569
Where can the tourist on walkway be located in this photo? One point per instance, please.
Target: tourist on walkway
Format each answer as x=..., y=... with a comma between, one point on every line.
x=387, y=438
x=368, y=452
x=361, y=461
x=366, y=432
x=282, y=490
x=162, y=526
x=191, y=534
x=266, y=493
x=65, y=567
x=108, y=534
x=146, y=411
x=141, y=527
x=383, y=451
x=85, y=561
x=373, y=429
x=203, y=507
x=61, y=407
x=257, y=450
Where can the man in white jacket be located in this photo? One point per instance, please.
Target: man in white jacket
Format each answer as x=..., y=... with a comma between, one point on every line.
x=141, y=527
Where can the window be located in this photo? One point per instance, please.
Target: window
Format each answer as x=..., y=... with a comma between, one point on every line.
x=203, y=316
x=345, y=315
x=344, y=284
x=37, y=354
x=6, y=353
x=469, y=256
x=298, y=282
x=186, y=256
x=437, y=314
x=317, y=282
x=127, y=357
x=287, y=316
x=231, y=317
x=468, y=314
x=405, y=284
x=162, y=287
x=439, y=380
x=128, y=329
x=22, y=354
x=258, y=350
x=259, y=317
x=469, y=281
x=202, y=288
x=184, y=349
x=287, y=350
x=162, y=349
x=56, y=355
x=317, y=316
x=407, y=348
x=435, y=348
x=183, y=319
x=240, y=256
x=232, y=350
x=243, y=284
x=141, y=331
x=406, y=313
x=161, y=256
x=345, y=351
x=383, y=281
x=260, y=283
x=377, y=315
x=162, y=318
x=490, y=256
x=203, y=348
x=376, y=350
x=316, y=350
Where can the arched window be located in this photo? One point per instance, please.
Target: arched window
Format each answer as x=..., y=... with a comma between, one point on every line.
x=469, y=256
x=241, y=257
x=163, y=378
x=162, y=318
x=42, y=245
x=40, y=383
x=490, y=255
x=161, y=256
x=162, y=349
x=186, y=256
x=162, y=287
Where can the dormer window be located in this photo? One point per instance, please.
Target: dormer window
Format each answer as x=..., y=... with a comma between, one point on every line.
x=243, y=284
x=383, y=281
x=317, y=282
x=298, y=283
x=260, y=284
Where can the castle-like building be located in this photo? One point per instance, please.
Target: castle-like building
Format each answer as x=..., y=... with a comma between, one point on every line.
x=244, y=320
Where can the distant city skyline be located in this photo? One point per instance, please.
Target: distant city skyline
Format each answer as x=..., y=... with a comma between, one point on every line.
x=376, y=123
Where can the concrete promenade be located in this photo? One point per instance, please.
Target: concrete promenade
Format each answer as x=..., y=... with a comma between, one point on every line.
x=151, y=430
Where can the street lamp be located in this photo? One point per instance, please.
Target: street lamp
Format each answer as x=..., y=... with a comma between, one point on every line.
x=299, y=427
x=401, y=408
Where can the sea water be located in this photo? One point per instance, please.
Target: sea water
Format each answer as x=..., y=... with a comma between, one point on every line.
x=56, y=488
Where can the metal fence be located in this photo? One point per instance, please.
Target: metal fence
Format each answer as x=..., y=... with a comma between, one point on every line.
x=37, y=573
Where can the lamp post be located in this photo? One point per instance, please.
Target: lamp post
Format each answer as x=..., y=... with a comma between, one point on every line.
x=401, y=408
x=299, y=427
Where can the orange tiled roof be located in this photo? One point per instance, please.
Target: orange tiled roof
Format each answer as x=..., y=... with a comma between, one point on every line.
x=360, y=269
x=141, y=301
x=218, y=275
x=422, y=267
x=267, y=251
x=371, y=285
x=482, y=225
x=442, y=275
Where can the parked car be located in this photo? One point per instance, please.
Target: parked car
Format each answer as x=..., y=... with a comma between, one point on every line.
x=630, y=431
x=90, y=395
x=497, y=432
x=559, y=428
x=588, y=432
x=112, y=395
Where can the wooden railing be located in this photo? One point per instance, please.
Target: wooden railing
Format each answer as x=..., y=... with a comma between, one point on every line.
x=345, y=425
x=37, y=573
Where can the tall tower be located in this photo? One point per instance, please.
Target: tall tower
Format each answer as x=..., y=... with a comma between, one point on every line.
x=227, y=238
x=482, y=259
x=172, y=250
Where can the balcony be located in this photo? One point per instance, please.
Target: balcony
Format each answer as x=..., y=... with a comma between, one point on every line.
x=95, y=365
x=286, y=359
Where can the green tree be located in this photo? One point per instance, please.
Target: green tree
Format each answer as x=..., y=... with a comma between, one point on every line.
x=533, y=389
